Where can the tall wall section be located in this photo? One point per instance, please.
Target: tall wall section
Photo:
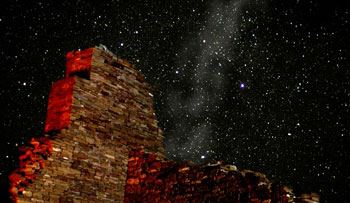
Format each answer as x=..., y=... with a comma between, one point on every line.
x=99, y=112
x=102, y=144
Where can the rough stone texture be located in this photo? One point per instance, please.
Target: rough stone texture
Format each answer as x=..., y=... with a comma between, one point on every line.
x=79, y=63
x=31, y=162
x=60, y=104
x=93, y=120
x=102, y=144
x=151, y=179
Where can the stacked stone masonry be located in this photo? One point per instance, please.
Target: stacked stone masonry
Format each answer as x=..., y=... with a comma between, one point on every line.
x=102, y=143
x=151, y=179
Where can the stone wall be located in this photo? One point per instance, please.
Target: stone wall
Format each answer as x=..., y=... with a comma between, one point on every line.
x=102, y=144
x=151, y=179
x=93, y=121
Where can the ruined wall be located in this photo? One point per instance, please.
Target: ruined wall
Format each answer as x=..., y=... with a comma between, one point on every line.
x=151, y=179
x=96, y=115
x=102, y=144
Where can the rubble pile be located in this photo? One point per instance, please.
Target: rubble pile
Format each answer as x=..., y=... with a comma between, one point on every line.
x=31, y=162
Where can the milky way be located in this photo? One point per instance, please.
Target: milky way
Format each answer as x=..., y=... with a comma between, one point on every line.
x=263, y=85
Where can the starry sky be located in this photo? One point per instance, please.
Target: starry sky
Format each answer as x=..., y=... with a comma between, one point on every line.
x=261, y=84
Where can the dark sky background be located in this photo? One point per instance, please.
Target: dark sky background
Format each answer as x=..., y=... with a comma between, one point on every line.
x=289, y=121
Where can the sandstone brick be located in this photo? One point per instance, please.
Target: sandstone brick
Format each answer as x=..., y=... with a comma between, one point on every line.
x=98, y=118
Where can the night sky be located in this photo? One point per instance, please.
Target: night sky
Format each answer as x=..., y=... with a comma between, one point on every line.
x=263, y=85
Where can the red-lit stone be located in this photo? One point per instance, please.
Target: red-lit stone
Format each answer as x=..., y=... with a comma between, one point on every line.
x=156, y=181
x=79, y=62
x=31, y=162
x=90, y=162
x=60, y=104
